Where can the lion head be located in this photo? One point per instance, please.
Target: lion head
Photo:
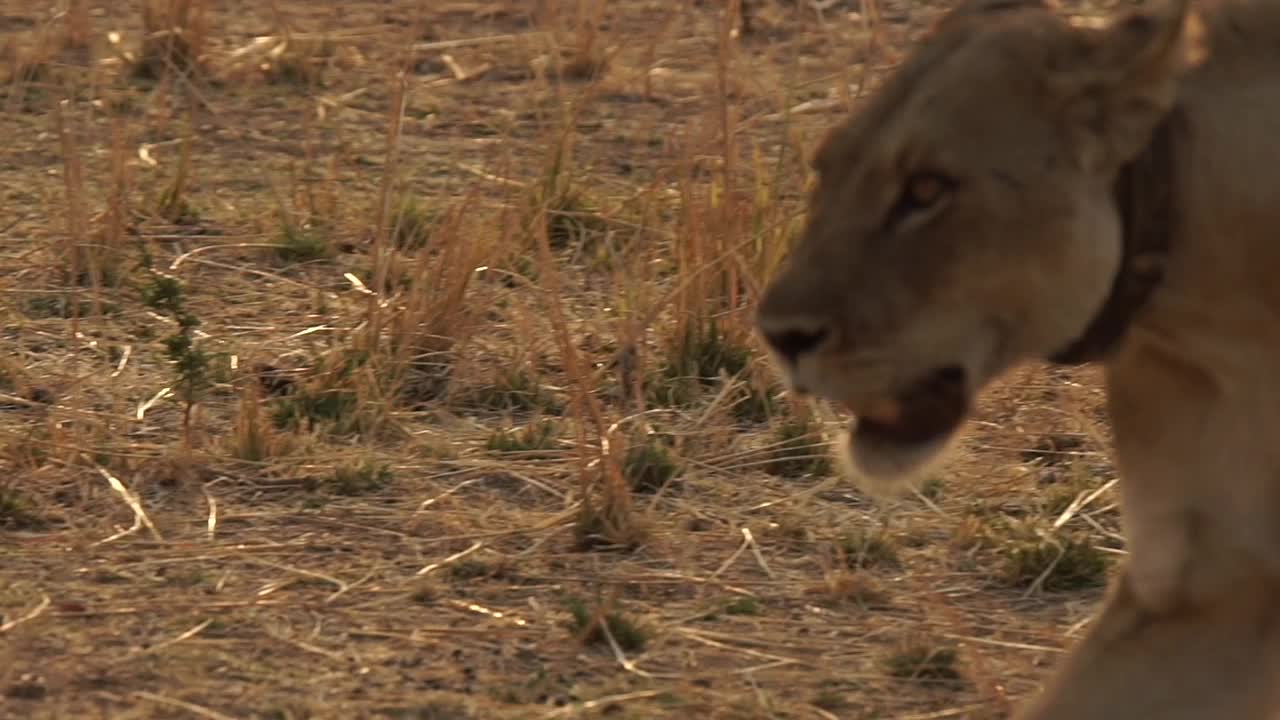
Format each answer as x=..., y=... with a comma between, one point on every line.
x=965, y=218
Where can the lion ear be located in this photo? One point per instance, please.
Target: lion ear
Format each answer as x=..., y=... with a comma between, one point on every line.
x=1114, y=83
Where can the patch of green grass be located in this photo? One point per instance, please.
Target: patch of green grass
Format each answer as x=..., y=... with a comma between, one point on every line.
x=648, y=466
x=515, y=390
x=842, y=586
x=298, y=243
x=831, y=700
x=17, y=512
x=695, y=361
x=588, y=624
x=175, y=208
x=188, y=577
x=608, y=522
x=412, y=225
x=744, y=605
x=107, y=576
x=325, y=399
x=302, y=63
x=572, y=218
x=473, y=569
x=798, y=449
x=360, y=477
x=756, y=404
x=425, y=593
x=1072, y=479
x=335, y=407
x=864, y=550
x=923, y=661
x=532, y=437
x=431, y=709
x=932, y=488
x=1066, y=562
x=57, y=306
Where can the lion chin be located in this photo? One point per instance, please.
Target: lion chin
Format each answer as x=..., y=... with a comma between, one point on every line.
x=885, y=470
x=896, y=442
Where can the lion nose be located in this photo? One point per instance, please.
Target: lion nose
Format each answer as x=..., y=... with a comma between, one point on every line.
x=793, y=339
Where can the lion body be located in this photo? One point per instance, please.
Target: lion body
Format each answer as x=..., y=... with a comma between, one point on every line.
x=1034, y=118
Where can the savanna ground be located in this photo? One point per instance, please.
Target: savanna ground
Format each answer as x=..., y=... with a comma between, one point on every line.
x=393, y=359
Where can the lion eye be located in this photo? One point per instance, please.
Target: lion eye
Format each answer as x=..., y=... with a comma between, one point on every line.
x=922, y=191
x=925, y=189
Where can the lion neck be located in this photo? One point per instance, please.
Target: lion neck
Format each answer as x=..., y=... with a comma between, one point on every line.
x=1144, y=199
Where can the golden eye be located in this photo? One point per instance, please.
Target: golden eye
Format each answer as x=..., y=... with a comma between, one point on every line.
x=922, y=191
x=925, y=189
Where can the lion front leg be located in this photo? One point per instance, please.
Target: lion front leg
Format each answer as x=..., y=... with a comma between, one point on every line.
x=1217, y=661
x=1191, y=628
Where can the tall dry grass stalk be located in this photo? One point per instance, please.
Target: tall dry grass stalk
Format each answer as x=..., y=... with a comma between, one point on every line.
x=110, y=258
x=434, y=318
x=73, y=248
x=606, y=509
x=378, y=252
x=79, y=29
x=176, y=33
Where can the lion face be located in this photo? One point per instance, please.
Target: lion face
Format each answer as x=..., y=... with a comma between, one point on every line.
x=964, y=221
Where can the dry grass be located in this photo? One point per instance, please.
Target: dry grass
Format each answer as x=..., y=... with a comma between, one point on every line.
x=393, y=359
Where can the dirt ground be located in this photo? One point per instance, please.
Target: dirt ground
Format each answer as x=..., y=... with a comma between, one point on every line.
x=310, y=408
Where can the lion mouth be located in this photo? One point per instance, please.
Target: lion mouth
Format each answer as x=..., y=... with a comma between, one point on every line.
x=924, y=412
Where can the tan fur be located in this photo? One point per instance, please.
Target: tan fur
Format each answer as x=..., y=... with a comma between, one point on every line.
x=1034, y=116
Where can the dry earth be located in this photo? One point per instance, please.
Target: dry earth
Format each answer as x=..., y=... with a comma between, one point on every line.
x=310, y=408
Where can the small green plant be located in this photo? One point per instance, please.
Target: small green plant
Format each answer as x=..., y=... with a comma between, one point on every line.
x=589, y=622
x=253, y=439
x=924, y=661
x=362, y=477
x=798, y=449
x=185, y=577
x=648, y=466
x=571, y=218
x=17, y=512
x=531, y=438
x=309, y=409
x=1070, y=480
x=172, y=205
x=842, y=586
x=864, y=550
x=333, y=397
x=298, y=61
x=745, y=605
x=515, y=389
x=694, y=361
x=444, y=708
x=426, y=592
x=413, y=225
x=190, y=363
x=607, y=521
x=755, y=403
x=978, y=531
x=1058, y=562
x=298, y=243
x=932, y=488
x=173, y=39
x=58, y=306
x=831, y=700
x=469, y=569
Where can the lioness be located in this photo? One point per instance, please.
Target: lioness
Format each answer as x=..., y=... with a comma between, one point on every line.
x=1023, y=187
